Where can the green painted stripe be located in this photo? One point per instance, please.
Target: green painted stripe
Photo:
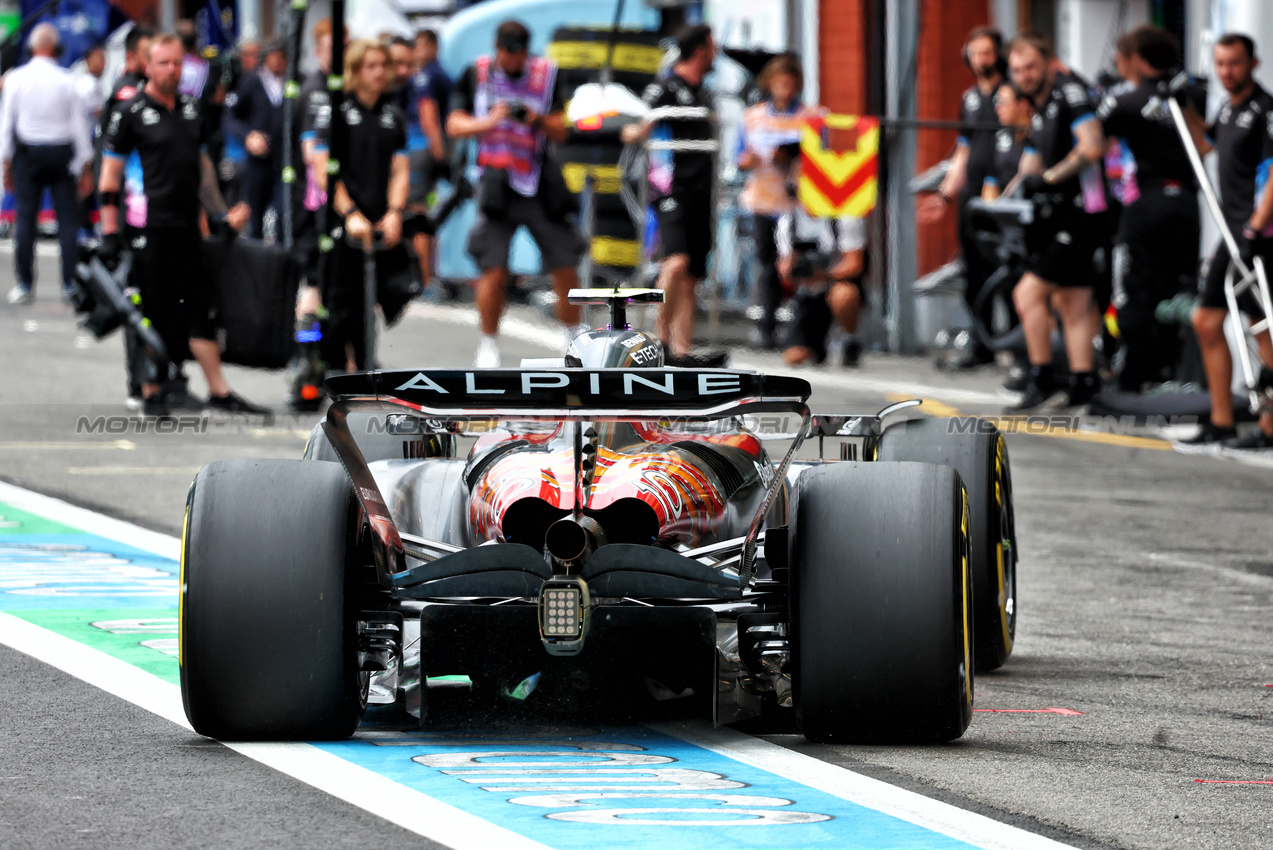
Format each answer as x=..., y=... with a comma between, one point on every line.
x=119, y=632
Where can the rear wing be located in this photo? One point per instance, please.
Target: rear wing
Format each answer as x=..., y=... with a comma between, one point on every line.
x=573, y=394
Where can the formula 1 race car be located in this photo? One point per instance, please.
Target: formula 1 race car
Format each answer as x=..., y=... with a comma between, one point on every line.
x=614, y=535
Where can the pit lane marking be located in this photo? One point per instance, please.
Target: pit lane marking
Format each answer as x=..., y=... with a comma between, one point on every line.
x=342, y=779
x=1038, y=426
x=380, y=792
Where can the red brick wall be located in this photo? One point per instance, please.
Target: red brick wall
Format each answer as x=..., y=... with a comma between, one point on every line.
x=942, y=77
x=842, y=55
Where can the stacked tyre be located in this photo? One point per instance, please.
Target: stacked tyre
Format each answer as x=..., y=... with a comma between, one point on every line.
x=580, y=53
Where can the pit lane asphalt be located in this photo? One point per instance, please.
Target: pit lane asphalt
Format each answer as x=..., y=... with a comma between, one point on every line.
x=1146, y=588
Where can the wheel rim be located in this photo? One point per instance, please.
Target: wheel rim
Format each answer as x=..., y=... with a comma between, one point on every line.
x=1005, y=546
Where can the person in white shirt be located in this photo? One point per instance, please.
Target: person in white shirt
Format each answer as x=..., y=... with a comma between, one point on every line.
x=90, y=84
x=44, y=142
x=826, y=260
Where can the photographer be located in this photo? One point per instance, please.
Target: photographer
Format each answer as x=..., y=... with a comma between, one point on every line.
x=511, y=104
x=826, y=259
x=370, y=195
x=167, y=131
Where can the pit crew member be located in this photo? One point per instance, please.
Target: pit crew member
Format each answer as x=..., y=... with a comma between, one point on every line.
x=1160, y=228
x=167, y=131
x=685, y=211
x=1063, y=160
x=1241, y=134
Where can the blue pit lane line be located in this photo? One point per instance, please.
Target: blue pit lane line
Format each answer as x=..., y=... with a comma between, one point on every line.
x=96, y=597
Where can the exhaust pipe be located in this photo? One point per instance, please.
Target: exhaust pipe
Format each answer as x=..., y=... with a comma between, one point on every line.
x=571, y=540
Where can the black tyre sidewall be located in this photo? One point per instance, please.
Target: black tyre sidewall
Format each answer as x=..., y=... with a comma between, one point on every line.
x=880, y=621
x=977, y=450
x=268, y=619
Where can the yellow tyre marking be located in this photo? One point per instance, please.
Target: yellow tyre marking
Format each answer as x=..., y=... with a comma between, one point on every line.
x=181, y=601
x=964, y=583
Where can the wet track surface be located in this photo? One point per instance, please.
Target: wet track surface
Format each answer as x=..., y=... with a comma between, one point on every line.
x=1136, y=711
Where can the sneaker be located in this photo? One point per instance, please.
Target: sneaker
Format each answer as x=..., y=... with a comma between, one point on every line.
x=487, y=356
x=20, y=295
x=155, y=406
x=1256, y=441
x=1082, y=389
x=181, y=399
x=1034, y=399
x=851, y=353
x=698, y=360
x=134, y=402
x=233, y=403
x=1208, y=440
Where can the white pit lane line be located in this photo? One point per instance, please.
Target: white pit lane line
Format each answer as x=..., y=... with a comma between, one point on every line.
x=419, y=812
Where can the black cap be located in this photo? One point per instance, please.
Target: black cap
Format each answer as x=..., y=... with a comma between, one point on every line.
x=512, y=43
x=512, y=36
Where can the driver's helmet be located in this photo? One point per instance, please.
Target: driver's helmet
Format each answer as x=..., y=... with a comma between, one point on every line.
x=613, y=349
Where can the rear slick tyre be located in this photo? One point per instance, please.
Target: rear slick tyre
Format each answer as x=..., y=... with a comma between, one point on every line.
x=268, y=628
x=977, y=451
x=880, y=623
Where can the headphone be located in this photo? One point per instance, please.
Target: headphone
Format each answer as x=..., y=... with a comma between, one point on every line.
x=996, y=38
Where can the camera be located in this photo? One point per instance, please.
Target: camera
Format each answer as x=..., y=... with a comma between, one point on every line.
x=518, y=112
x=807, y=261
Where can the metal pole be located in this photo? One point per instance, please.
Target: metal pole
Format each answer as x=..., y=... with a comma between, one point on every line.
x=328, y=220
x=291, y=92
x=902, y=32
x=1247, y=277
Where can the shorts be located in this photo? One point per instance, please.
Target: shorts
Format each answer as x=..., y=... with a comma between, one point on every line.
x=811, y=318
x=424, y=176
x=685, y=226
x=1161, y=232
x=561, y=245
x=176, y=290
x=1065, y=254
x=1213, y=285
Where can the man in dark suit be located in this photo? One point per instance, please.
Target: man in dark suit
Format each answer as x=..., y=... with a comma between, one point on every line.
x=258, y=113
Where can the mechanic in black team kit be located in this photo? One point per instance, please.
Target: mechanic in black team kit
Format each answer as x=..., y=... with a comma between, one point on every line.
x=167, y=131
x=371, y=194
x=1242, y=137
x=685, y=212
x=972, y=163
x=1063, y=160
x=1161, y=227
